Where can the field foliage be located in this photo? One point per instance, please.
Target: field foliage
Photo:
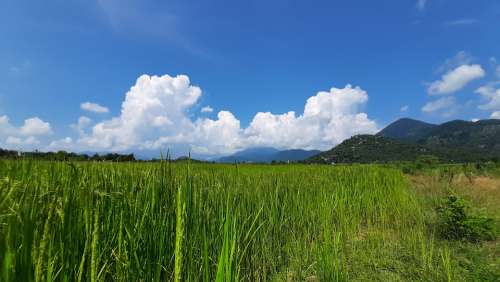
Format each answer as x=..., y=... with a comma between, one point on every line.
x=205, y=222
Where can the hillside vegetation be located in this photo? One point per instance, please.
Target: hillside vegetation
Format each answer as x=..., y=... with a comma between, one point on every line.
x=409, y=140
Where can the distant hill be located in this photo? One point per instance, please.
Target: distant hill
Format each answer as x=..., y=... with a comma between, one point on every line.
x=266, y=155
x=371, y=149
x=407, y=129
x=480, y=135
x=407, y=139
x=294, y=155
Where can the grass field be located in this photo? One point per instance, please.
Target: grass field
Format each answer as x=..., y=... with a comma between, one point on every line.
x=206, y=222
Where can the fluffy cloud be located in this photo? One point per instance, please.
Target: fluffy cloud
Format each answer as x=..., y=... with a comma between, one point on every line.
x=35, y=126
x=404, y=108
x=328, y=119
x=155, y=107
x=156, y=114
x=491, y=95
x=207, y=109
x=93, y=107
x=16, y=141
x=64, y=144
x=24, y=136
x=82, y=124
x=445, y=106
x=456, y=79
x=495, y=115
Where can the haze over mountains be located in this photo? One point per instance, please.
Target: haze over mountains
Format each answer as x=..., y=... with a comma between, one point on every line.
x=266, y=155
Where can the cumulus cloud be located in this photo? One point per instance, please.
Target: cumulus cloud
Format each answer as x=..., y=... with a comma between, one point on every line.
x=495, y=115
x=156, y=114
x=491, y=94
x=207, y=109
x=445, y=106
x=404, y=108
x=64, y=144
x=461, y=58
x=328, y=119
x=5, y=127
x=17, y=141
x=82, y=124
x=93, y=107
x=156, y=106
x=35, y=126
x=24, y=136
x=456, y=79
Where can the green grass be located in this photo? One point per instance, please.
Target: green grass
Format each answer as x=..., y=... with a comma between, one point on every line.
x=199, y=222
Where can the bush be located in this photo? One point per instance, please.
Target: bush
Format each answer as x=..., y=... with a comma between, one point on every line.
x=456, y=224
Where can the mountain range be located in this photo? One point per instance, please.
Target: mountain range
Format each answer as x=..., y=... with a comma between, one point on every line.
x=408, y=139
x=267, y=155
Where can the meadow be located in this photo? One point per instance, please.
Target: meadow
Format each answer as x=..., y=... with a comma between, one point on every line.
x=98, y=221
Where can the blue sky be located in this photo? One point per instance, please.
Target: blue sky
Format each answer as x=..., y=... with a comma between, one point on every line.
x=250, y=62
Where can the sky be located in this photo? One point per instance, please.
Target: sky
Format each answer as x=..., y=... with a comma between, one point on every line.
x=215, y=77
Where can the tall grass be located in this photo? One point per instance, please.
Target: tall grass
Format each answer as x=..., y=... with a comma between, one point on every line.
x=164, y=222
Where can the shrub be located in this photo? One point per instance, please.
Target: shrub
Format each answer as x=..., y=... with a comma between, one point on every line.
x=456, y=224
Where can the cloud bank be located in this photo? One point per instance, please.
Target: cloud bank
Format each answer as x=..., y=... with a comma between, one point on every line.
x=156, y=114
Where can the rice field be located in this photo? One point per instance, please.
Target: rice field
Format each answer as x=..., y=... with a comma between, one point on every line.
x=207, y=222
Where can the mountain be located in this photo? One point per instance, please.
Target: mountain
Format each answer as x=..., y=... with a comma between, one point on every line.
x=480, y=135
x=371, y=149
x=294, y=155
x=266, y=155
x=260, y=154
x=407, y=139
x=407, y=129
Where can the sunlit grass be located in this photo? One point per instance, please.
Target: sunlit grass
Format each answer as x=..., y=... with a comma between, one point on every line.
x=196, y=222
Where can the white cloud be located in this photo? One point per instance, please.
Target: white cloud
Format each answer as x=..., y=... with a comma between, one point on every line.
x=328, y=119
x=495, y=115
x=5, y=127
x=16, y=141
x=498, y=71
x=82, y=124
x=35, y=126
x=207, y=109
x=155, y=114
x=491, y=94
x=446, y=106
x=456, y=79
x=461, y=58
x=475, y=120
x=25, y=135
x=93, y=107
x=154, y=107
x=465, y=21
x=404, y=108
x=64, y=144
x=421, y=4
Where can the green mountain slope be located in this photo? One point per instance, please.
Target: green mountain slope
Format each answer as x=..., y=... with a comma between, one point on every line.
x=407, y=140
x=370, y=149
x=407, y=129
